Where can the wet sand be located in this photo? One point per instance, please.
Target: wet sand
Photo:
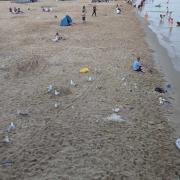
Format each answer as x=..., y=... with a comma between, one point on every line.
x=76, y=140
x=165, y=66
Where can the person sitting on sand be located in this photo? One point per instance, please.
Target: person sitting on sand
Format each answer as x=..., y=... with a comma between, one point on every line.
x=15, y=10
x=137, y=66
x=57, y=37
x=118, y=10
x=19, y=11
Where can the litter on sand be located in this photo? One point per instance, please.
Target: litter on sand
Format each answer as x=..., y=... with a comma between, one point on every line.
x=162, y=100
x=50, y=88
x=116, y=110
x=6, y=139
x=56, y=92
x=72, y=83
x=115, y=117
x=7, y=162
x=178, y=143
x=11, y=127
x=159, y=90
x=84, y=70
x=135, y=86
x=123, y=79
x=56, y=105
x=22, y=113
x=90, y=78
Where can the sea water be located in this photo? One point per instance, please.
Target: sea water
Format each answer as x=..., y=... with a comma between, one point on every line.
x=168, y=33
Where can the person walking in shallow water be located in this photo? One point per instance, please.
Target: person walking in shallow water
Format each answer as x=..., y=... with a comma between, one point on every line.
x=94, y=10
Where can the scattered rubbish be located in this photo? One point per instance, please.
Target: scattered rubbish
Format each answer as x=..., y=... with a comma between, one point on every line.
x=90, y=78
x=72, y=107
x=56, y=92
x=135, y=86
x=159, y=89
x=169, y=87
x=84, y=70
x=50, y=88
x=97, y=70
x=6, y=139
x=178, y=143
x=162, y=100
x=99, y=87
x=7, y=162
x=123, y=79
x=72, y=83
x=115, y=117
x=56, y=105
x=116, y=110
x=47, y=9
x=11, y=127
x=158, y=5
x=125, y=84
x=22, y=113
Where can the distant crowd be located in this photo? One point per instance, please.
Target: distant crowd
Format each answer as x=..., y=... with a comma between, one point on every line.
x=15, y=10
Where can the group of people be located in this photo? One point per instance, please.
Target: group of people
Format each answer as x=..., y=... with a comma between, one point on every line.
x=94, y=10
x=84, y=12
x=162, y=17
x=57, y=37
x=15, y=10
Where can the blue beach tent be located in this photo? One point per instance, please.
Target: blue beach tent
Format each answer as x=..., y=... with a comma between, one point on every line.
x=66, y=21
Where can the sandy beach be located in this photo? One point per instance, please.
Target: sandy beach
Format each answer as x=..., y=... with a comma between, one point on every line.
x=78, y=140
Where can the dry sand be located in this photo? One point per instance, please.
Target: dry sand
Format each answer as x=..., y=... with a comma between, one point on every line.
x=75, y=141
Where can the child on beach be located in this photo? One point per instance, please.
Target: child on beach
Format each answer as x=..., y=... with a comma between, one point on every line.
x=137, y=65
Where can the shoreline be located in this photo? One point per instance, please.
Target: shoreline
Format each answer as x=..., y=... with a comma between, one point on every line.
x=165, y=66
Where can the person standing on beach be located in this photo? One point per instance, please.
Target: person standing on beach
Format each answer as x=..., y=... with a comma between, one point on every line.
x=10, y=10
x=84, y=14
x=84, y=9
x=94, y=10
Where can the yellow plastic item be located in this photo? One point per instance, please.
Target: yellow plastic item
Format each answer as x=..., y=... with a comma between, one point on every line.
x=84, y=70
